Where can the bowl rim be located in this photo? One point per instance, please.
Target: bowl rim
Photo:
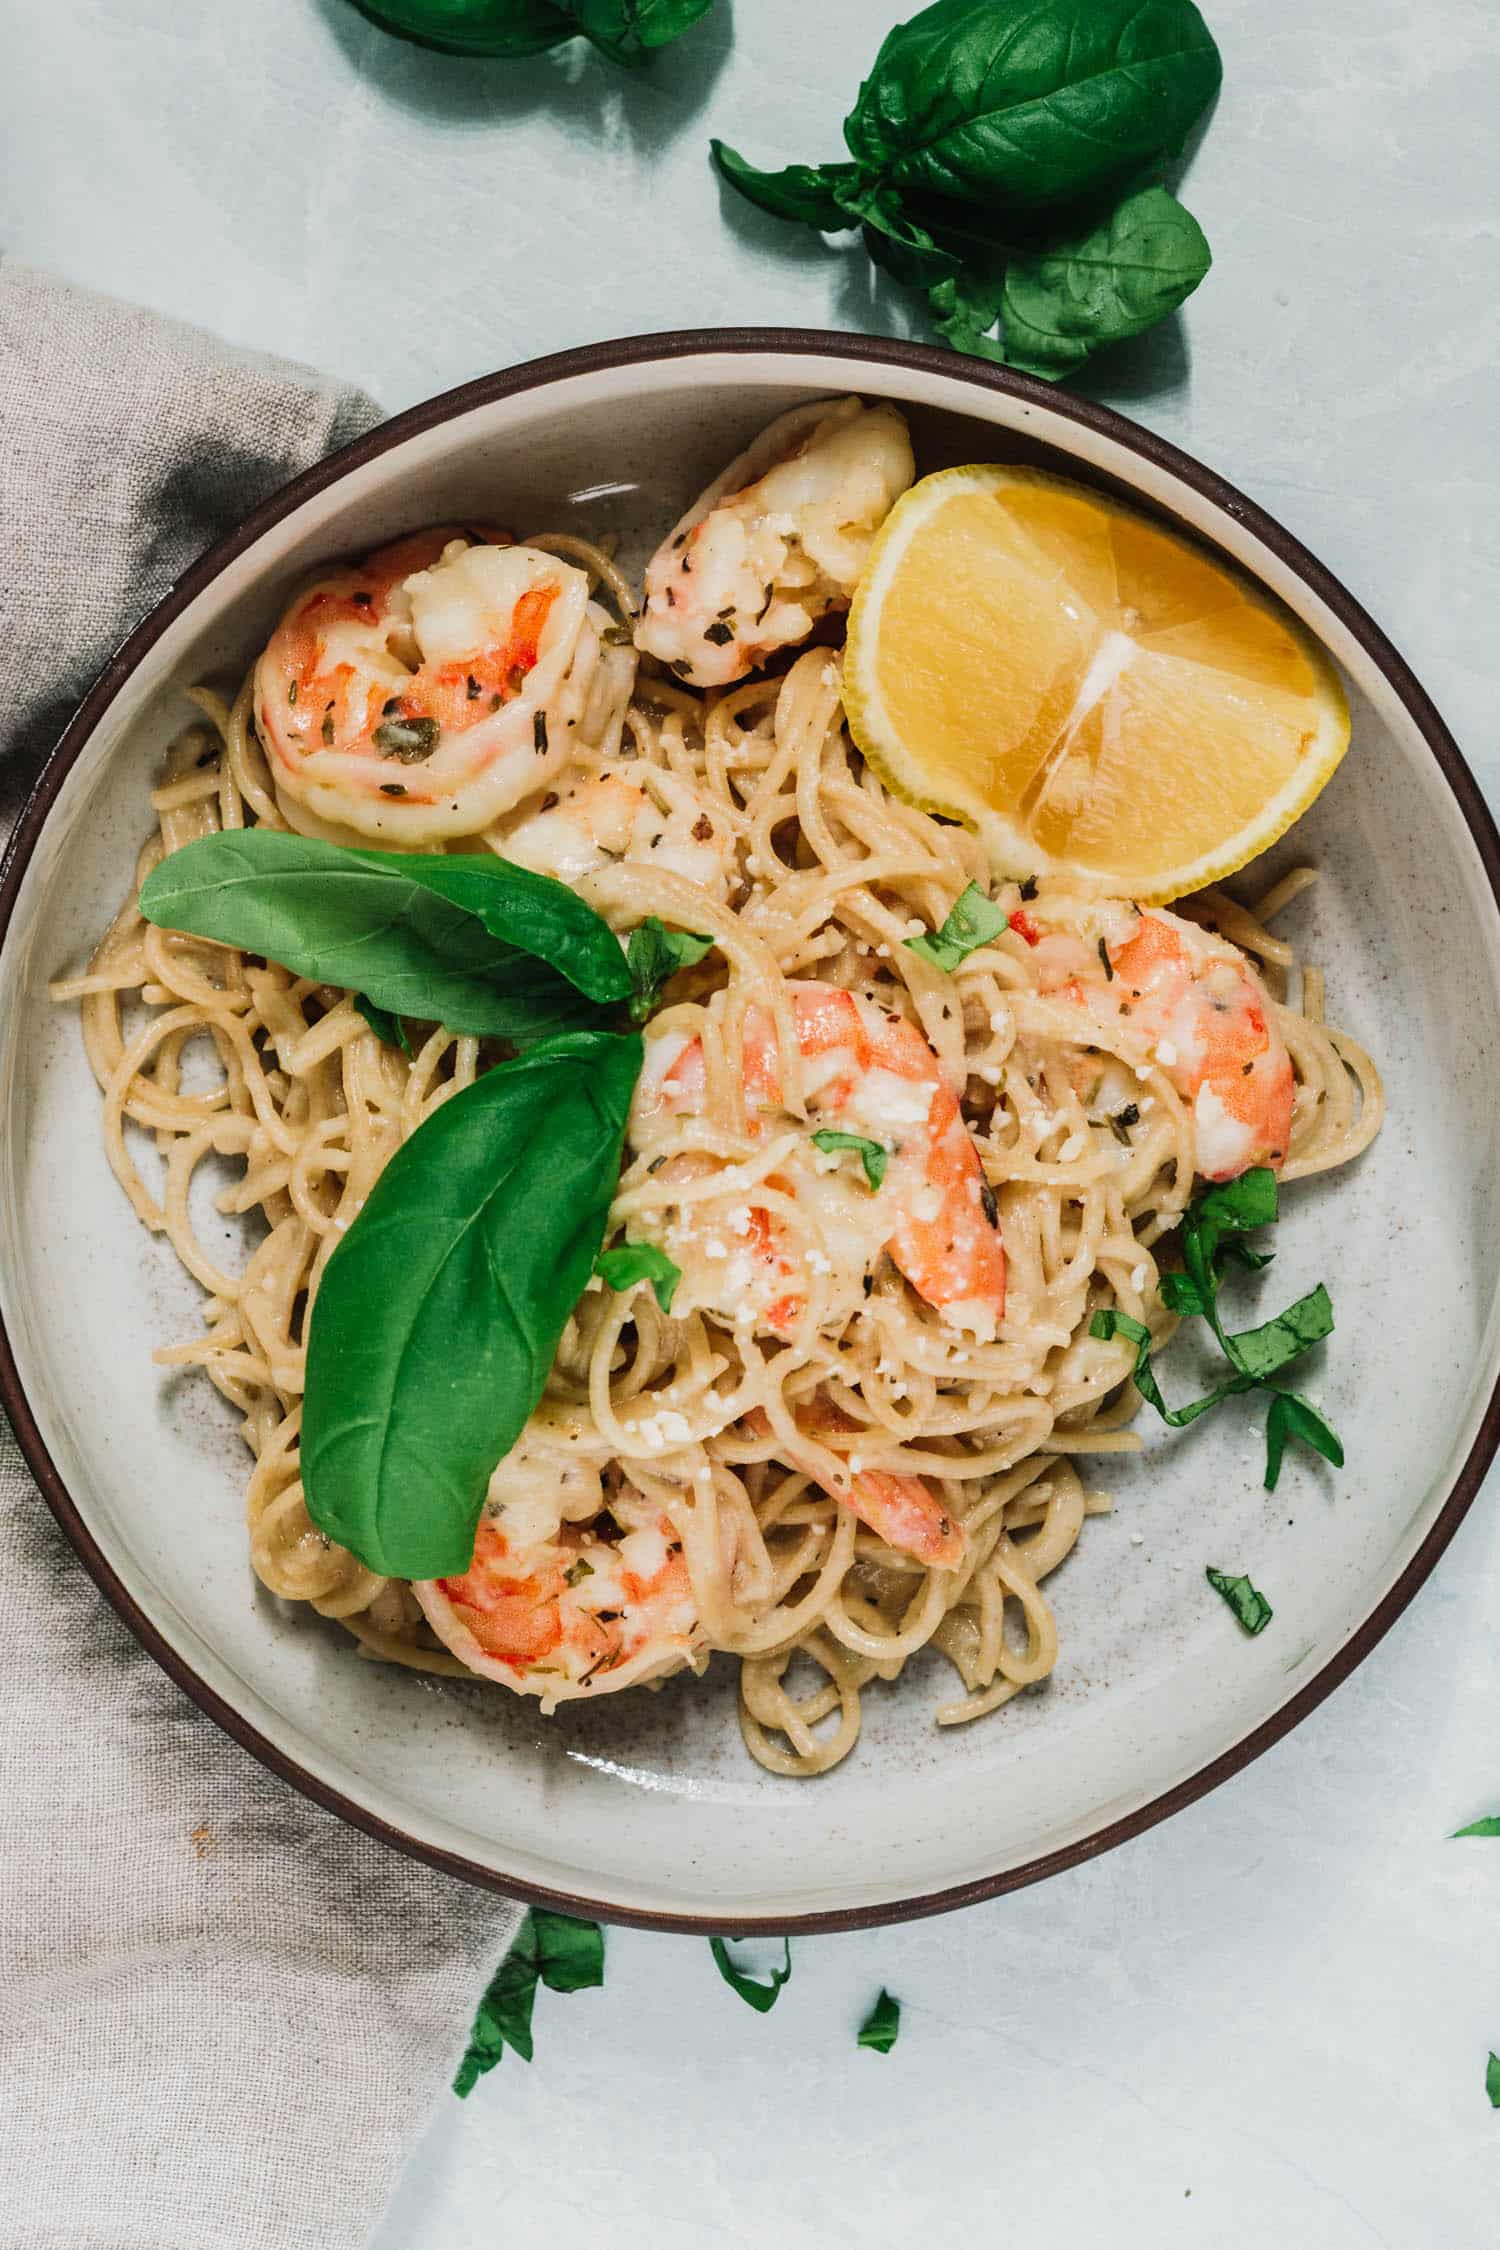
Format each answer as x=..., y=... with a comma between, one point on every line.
x=662, y=349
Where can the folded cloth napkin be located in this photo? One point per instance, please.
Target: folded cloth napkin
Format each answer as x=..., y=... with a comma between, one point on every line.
x=224, y=2017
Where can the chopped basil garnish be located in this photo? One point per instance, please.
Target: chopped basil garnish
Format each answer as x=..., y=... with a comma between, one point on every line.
x=655, y=954
x=1211, y=1226
x=1291, y=1415
x=409, y=740
x=1492, y=2080
x=751, y=1989
x=972, y=920
x=576, y=1573
x=881, y=2025
x=1252, y=1609
x=1109, y=967
x=550, y=1949
x=630, y=1262
x=719, y=633
x=1489, y=1826
x=870, y=1153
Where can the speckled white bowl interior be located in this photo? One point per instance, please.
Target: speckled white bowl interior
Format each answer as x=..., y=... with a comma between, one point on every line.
x=646, y=1804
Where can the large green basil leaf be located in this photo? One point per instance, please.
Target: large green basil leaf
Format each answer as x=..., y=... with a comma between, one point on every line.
x=1043, y=101
x=467, y=941
x=627, y=30
x=1111, y=280
x=439, y=1313
x=510, y=28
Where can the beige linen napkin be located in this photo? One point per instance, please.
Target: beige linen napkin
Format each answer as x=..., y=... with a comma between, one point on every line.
x=224, y=2017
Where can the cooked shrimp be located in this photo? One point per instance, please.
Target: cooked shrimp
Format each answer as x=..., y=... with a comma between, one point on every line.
x=613, y=815
x=775, y=543
x=866, y=1073
x=571, y=1591
x=1198, y=1007
x=420, y=694
x=898, y=1509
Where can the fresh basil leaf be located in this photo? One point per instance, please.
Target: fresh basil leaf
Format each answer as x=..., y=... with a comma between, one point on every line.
x=569, y=1953
x=1492, y=2080
x=1107, y=281
x=1110, y=1322
x=1252, y=1609
x=1040, y=101
x=758, y=1995
x=510, y=28
x=1292, y=1416
x=654, y=956
x=881, y=2026
x=551, y=1949
x=630, y=1262
x=628, y=30
x=1489, y=1826
x=803, y=193
x=384, y=1025
x=470, y=942
x=870, y=1153
x=439, y=1313
x=971, y=921
x=503, y=2017
x=1276, y=1343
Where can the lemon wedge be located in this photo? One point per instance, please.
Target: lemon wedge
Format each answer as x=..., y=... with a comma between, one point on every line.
x=1093, y=694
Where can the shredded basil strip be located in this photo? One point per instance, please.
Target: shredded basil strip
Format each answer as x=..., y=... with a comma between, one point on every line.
x=870, y=1153
x=1291, y=1415
x=473, y=943
x=1492, y=2080
x=654, y=955
x=1251, y=1608
x=1489, y=1826
x=972, y=920
x=384, y=1025
x=549, y=1949
x=630, y=1262
x=882, y=2025
x=438, y=1315
x=757, y=1994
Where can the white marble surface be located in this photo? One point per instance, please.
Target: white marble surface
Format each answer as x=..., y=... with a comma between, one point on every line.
x=1265, y=2023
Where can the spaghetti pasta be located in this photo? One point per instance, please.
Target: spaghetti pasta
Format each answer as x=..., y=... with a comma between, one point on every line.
x=742, y=1435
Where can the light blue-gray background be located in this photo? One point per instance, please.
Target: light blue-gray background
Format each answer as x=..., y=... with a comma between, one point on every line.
x=1266, y=2023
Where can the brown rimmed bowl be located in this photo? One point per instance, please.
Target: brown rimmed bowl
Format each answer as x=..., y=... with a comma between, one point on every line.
x=645, y=1808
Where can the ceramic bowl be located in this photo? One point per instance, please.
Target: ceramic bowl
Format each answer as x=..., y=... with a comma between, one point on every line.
x=645, y=1807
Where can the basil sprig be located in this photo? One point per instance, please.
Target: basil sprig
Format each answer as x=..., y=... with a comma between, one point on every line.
x=550, y=1949
x=754, y=1991
x=625, y=30
x=438, y=1315
x=468, y=941
x=1211, y=1229
x=1006, y=160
